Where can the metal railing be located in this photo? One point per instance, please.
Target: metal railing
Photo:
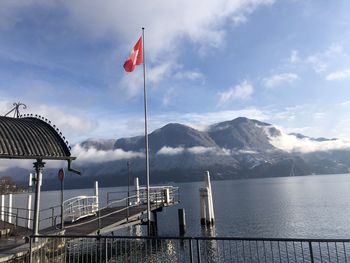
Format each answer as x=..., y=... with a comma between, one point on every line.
x=185, y=249
x=79, y=207
x=82, y=206
x=163, y=195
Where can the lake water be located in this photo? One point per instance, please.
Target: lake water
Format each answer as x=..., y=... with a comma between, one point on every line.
x=295, y=207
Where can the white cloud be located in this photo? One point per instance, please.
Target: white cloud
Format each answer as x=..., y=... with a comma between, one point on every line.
x=157, y=73
x=339, y=75
x=202, y=22
x=317, y=63
x=191, y=75
x=320, y=61
x=294, y=57
x=200, y=149
x=291, y=143
x=279, y=79
x=241, y=91
x=92, y=155
x=334, y=50
x=193, y=150
x=70, y=123
x=170, y=150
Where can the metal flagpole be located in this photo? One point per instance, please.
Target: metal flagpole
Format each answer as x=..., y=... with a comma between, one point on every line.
x=146, y=131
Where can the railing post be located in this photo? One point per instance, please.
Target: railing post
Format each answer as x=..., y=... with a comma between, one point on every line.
x=96, y=194
x=3, y=208
x=30, y=250
x=29, y=207
x=16, y=217
x=137, y=190
x=191, y=249
x=52, y=216
x=166, y=196
x=311, y=253
x=106, y=250
x=199, y=251
x=10, y=209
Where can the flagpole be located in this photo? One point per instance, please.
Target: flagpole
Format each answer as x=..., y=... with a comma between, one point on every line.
x=146, y=131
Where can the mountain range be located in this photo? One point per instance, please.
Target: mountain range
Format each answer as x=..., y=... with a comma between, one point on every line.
x=239, y=148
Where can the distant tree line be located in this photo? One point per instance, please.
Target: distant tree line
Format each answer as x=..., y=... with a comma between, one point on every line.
x=7, y=186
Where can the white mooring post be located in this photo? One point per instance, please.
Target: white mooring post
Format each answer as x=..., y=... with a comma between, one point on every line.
x=96, y=194
x=29, y=212
x=2, y=207
x=10, y=209
x=137, y=190
x=206, y=202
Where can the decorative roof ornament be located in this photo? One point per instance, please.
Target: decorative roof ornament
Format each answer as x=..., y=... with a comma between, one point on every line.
x=15, y=109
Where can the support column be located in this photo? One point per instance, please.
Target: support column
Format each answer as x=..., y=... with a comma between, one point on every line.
x=38, y=166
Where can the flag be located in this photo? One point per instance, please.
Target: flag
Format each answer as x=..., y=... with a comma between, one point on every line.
x=135, y=57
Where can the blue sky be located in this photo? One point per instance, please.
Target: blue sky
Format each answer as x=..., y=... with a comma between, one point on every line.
x=284, y=62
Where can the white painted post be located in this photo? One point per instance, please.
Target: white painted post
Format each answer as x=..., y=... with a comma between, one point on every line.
x=166, y=196
x=210, y=197
x=206, y=202
x=203, y=194
x=30, y=179
x=10, y=209
x=2, y=207
x=96, y=194
x=29, y=212
x=137, y=190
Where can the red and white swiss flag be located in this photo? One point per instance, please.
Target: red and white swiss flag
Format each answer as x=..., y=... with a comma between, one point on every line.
x=135, y=57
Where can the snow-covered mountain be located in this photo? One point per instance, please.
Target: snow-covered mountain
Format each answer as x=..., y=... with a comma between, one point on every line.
x=240, y=148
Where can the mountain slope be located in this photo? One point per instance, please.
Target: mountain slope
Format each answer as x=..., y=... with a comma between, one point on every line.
x=243, y=133
x=171, y=135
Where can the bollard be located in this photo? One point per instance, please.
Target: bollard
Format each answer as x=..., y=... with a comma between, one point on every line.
x=182, y=221
x=3, y=208
x=10, y=209
x=29, y=207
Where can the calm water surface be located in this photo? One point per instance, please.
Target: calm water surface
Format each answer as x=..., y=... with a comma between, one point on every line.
x=308, y=206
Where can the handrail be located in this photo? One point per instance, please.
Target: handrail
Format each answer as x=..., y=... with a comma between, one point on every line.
x=330, y=240
x=81, y=206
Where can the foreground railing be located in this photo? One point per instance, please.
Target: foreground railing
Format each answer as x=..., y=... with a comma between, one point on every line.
x=185, y=249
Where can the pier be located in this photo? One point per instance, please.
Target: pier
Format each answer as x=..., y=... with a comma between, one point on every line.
x=83, y=216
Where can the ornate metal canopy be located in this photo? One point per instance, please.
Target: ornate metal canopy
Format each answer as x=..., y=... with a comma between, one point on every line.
x=32, y=138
